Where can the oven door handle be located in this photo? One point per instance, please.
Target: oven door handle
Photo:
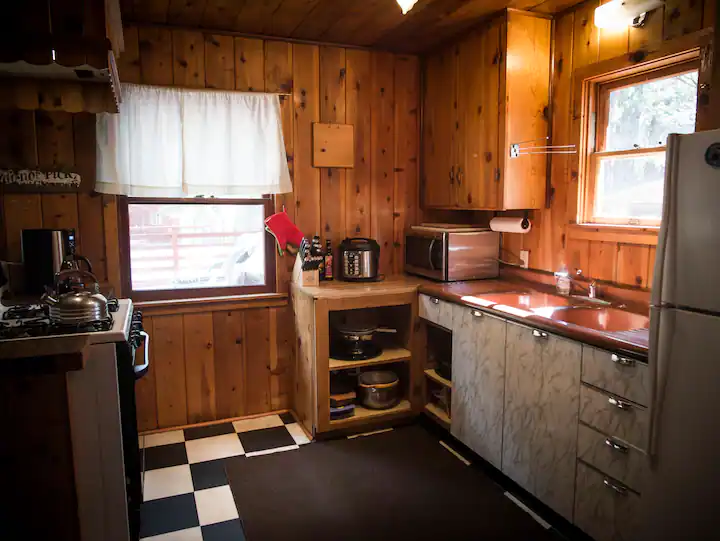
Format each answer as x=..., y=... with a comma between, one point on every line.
x=142, y=368
x=430, y=249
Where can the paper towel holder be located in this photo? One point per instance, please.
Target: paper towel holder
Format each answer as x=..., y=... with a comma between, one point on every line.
x=526, y=220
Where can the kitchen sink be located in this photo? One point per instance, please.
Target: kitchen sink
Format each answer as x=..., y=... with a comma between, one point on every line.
x=597, y=318
x=525, y=300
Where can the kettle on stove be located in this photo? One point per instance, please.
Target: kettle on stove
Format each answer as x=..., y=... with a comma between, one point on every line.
x=75, y=281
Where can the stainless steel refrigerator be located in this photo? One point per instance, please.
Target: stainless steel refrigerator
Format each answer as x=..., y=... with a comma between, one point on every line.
x=681, y=499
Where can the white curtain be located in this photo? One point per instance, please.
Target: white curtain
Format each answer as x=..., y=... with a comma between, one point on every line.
x=172, y=142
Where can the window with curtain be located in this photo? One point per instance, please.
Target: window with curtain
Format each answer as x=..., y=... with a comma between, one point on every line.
x=198, y=169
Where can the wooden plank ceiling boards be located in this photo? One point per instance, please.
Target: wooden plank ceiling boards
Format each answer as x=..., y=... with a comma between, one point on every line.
x=369, y=23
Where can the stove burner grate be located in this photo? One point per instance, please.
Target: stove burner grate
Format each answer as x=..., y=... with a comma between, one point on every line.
x=26, y=311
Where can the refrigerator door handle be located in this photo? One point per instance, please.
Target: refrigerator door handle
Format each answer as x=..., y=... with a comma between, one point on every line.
x=659, y=354
x=667, y=221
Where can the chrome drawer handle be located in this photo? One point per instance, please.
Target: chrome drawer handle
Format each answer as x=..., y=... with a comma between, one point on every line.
x=618, y=488
x=477, y=313
x=434, y=300
x=622, y=361
x=615, y=446
x=539, y=334
x=619, y=404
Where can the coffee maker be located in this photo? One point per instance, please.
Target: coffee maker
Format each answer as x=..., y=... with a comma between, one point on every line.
x=45, y=252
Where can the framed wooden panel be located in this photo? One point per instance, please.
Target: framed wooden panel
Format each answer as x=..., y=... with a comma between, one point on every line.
x=333, y=145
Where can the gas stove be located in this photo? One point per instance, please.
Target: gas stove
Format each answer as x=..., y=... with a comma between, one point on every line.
x=29, y=321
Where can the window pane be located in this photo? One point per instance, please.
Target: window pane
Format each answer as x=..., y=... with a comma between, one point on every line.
x=194, y=246
x=630, y=187
x=642, y=115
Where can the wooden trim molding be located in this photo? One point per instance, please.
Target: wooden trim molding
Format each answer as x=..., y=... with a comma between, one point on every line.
x=213, y=304
x=123, y=231
x=624, y=235
x=678, y=50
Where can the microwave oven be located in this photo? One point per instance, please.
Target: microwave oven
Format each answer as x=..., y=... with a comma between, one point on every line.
x=450, y=253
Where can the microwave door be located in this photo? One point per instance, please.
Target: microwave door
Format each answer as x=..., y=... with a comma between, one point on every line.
x=425, y=255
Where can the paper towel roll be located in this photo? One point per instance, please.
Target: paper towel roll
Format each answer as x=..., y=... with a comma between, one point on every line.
x=510, y=225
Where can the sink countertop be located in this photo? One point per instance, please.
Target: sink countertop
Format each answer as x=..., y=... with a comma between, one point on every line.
x=494, y=296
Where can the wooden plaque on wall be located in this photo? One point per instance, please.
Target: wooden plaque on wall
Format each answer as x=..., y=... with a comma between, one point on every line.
x=333, y=145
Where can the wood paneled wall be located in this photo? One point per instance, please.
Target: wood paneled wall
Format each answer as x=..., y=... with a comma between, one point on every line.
x=57, y=141
x=579, y=43
x=216, y=364
x=209, y=364
x=375, y=92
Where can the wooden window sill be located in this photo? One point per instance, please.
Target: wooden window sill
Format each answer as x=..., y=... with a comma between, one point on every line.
x=611, y=233
x=213, y=304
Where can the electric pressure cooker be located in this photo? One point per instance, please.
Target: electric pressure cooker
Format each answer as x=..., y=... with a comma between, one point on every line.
x=359, y=260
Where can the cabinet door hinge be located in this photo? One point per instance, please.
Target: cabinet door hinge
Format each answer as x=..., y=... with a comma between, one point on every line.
x=497, y=174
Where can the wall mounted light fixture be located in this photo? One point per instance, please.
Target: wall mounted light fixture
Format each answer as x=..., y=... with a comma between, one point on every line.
x=406, y=5
x=623, y=13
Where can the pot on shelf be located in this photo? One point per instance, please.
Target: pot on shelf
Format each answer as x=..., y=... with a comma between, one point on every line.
x=356, y=342
x=379, y=389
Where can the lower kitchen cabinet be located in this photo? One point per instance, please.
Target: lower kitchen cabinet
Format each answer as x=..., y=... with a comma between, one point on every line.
x=604, y=508
x=478, y=378
x=542, y=396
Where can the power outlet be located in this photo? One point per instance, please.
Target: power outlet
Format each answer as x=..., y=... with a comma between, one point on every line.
x=525, y=258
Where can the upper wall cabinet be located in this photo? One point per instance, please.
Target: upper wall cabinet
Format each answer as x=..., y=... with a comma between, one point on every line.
x=482, y=95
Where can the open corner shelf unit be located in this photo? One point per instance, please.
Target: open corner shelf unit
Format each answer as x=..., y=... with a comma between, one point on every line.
x=437, y=345
x=318, y=311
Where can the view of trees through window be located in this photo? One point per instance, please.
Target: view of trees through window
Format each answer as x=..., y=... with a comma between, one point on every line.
x=639, y=117
x=181, y=246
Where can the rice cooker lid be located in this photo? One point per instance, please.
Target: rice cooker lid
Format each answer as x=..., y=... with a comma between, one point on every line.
x=360, y=245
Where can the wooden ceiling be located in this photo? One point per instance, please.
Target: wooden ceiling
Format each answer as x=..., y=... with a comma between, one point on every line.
x=370, y=23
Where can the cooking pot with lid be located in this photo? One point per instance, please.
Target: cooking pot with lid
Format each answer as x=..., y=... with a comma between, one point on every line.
x=379, y=389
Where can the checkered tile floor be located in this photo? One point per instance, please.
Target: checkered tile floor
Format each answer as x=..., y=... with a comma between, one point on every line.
x=186, y=493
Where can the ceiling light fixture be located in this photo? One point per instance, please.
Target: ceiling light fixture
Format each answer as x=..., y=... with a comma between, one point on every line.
x=406, y=5
x=623, y=13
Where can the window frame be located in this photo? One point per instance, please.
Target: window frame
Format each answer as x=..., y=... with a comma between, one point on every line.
x=595, y=88
x=198, y=292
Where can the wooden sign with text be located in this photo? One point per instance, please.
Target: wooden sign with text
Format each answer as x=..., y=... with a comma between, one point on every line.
x=39, y=179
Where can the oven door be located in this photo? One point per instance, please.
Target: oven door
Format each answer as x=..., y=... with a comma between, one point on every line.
x=426, y=254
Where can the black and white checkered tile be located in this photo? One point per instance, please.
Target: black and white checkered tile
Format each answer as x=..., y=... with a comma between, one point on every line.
x=186, y=493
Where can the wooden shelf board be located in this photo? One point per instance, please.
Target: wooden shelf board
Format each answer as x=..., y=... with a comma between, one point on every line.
x=438, y=414
x=437, y=378
x=363, y=414
x=389, y=355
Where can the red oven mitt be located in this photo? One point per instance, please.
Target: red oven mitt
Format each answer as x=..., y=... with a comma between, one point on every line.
x=285, y=232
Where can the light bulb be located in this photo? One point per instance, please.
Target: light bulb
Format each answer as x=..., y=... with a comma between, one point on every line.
x=406, y=5
x=620, y=13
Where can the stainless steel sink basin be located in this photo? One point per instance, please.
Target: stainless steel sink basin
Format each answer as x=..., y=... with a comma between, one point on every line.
x=597, y=318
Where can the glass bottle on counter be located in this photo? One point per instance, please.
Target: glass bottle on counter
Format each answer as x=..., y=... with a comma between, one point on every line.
x=328, y=261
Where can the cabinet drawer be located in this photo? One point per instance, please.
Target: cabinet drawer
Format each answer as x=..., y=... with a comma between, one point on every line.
x=604, y=508
x=435, y=310
x=614, y=416
x=624, y=377
x=614, y=458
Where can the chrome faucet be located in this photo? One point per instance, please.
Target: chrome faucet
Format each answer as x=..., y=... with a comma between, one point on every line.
x=592, y=288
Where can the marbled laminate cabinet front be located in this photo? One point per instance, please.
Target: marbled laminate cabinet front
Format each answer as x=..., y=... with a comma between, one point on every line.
x=478, y=375
x=542, y=395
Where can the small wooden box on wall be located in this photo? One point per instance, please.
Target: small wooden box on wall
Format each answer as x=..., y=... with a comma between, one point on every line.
x=333, y=145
